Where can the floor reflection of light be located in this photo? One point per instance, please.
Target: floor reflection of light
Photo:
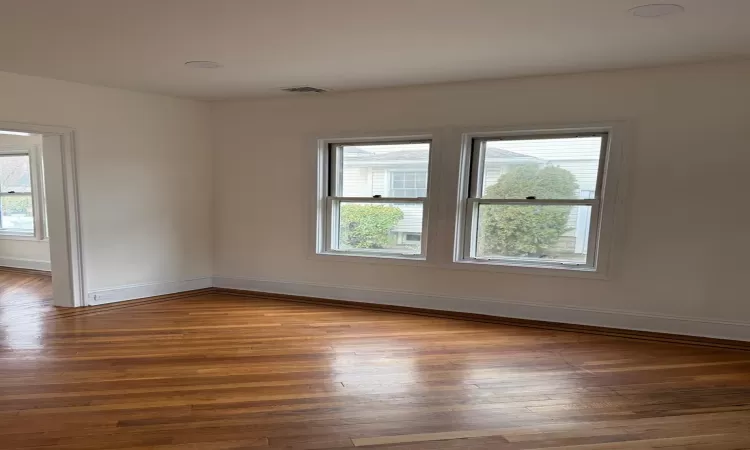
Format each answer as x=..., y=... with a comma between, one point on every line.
x=520, y=388
x=363, y=371
x=20, y=325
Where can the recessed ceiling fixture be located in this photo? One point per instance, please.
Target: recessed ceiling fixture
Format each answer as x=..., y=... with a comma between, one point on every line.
x=203, y=64
x=304, y=89
x=15, y=133
x=656, y=10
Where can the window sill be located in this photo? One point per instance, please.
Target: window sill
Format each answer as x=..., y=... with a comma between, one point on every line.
x=18, y=236
x=417, y=260
x=527, y=269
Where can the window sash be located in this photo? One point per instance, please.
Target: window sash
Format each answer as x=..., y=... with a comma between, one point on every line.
x=478, y=152
x=336, y=160
x=471, y=229
x=19, y=231
x=332, y=219
x=474, y=199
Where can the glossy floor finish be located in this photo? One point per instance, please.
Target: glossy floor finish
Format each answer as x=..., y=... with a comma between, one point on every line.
x=217, y=371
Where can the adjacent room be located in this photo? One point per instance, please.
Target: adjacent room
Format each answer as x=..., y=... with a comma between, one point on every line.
x=25, y=278
x=389, y=224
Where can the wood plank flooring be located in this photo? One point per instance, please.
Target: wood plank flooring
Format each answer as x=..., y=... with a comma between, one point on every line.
x=215, y=371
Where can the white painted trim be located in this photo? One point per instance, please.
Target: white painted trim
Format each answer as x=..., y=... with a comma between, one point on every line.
x=136, y=291
x=22, y=263
x=628, y=320
x=66, y=255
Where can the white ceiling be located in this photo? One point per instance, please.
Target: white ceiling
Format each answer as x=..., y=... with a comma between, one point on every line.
x=265, y=45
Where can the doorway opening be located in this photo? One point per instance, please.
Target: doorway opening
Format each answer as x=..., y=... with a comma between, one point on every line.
x=40, y=258
x=25, y=278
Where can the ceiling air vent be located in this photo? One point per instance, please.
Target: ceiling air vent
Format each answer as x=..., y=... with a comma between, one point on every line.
x=304, y=89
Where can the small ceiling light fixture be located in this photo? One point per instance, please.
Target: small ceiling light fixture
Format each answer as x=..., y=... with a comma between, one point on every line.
x=203, y=64
x=656, y=10
x=15, y=133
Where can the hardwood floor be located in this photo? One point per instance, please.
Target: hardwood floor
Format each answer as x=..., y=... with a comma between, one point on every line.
x=216, y=371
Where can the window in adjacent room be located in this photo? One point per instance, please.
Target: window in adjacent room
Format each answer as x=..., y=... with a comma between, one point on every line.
x=534, y=200
x=16, y=196
x=375, y=198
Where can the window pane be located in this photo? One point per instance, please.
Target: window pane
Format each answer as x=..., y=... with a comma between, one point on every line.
x=16, y=213
x=379, y=227
x=550, y=168
x=367, y=169
x=534, y=232
x=15, y=174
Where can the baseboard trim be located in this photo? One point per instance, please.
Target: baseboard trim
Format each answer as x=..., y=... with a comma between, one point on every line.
x=21, y=263
x=32, y=272
x=624, y=324
x=140, y=291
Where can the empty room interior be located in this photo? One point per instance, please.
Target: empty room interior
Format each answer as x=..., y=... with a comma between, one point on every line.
x=388, y=224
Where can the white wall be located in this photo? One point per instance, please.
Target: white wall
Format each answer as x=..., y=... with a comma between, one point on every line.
x=144, y=172
x=26, y=253
x=23, y=253
x=688, y=151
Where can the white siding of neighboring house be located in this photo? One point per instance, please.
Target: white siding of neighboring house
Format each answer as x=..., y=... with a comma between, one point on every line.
x=412, y=221
x=554, y=150
x=357, y=182
x=379, y=182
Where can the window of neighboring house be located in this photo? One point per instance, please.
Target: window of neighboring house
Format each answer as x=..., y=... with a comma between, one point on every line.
x=365, y=208
x=534, y=200
x=18, y=195
x=408, y=184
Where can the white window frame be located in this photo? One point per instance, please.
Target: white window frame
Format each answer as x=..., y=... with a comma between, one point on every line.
x=600, y=239
x=325, y=231
x=37, y=192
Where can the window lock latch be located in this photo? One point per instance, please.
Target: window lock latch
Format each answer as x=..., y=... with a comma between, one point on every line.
x=531, y=197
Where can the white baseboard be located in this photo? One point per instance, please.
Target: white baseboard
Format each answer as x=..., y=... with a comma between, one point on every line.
x=627, y=320
x=20, y=263
x=135, y=291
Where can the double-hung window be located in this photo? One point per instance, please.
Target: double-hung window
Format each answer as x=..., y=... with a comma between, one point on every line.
x=534, y=200
x=374, y=199
x=17, y=205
